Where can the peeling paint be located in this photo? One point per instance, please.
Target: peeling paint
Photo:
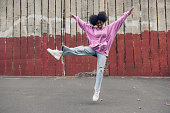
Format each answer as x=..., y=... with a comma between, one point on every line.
x=8, y=32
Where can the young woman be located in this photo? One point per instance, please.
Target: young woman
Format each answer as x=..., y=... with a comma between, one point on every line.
x=100, y=41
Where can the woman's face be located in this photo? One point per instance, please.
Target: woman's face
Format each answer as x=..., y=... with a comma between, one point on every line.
x=99, y=24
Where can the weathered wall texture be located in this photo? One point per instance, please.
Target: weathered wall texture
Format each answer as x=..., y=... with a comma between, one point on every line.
x=29, y=27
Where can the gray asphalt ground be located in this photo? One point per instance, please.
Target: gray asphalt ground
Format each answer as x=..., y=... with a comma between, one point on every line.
x=74, y=95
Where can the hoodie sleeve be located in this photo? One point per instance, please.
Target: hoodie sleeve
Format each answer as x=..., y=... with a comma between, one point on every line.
x=115, y=26
x=81, y=23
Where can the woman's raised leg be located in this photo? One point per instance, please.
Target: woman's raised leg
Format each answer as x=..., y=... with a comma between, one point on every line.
x=80, y=50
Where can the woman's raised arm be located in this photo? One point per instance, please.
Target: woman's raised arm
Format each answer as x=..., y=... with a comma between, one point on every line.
x=118, y=23
x=81, y=23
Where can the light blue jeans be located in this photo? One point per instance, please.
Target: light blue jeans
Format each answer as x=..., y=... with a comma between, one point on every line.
x=86, y=50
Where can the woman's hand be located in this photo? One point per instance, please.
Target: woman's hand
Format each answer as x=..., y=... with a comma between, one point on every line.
x=131, y=10
x=71, y=16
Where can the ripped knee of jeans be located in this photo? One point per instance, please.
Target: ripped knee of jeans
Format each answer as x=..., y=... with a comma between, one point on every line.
x=101, y=70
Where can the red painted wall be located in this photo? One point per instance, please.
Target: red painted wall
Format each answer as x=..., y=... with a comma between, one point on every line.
x=145, y=54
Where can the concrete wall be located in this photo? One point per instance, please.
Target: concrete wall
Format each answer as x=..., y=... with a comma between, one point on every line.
x=29, y=27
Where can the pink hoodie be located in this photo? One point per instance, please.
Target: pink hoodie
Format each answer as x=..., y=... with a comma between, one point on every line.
x=101, y=39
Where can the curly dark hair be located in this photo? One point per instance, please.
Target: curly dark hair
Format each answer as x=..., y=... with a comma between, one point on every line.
x=94, y=18
x=102, y=16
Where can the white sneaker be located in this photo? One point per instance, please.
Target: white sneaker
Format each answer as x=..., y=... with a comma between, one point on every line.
x=96, y=95
x=55, y=53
